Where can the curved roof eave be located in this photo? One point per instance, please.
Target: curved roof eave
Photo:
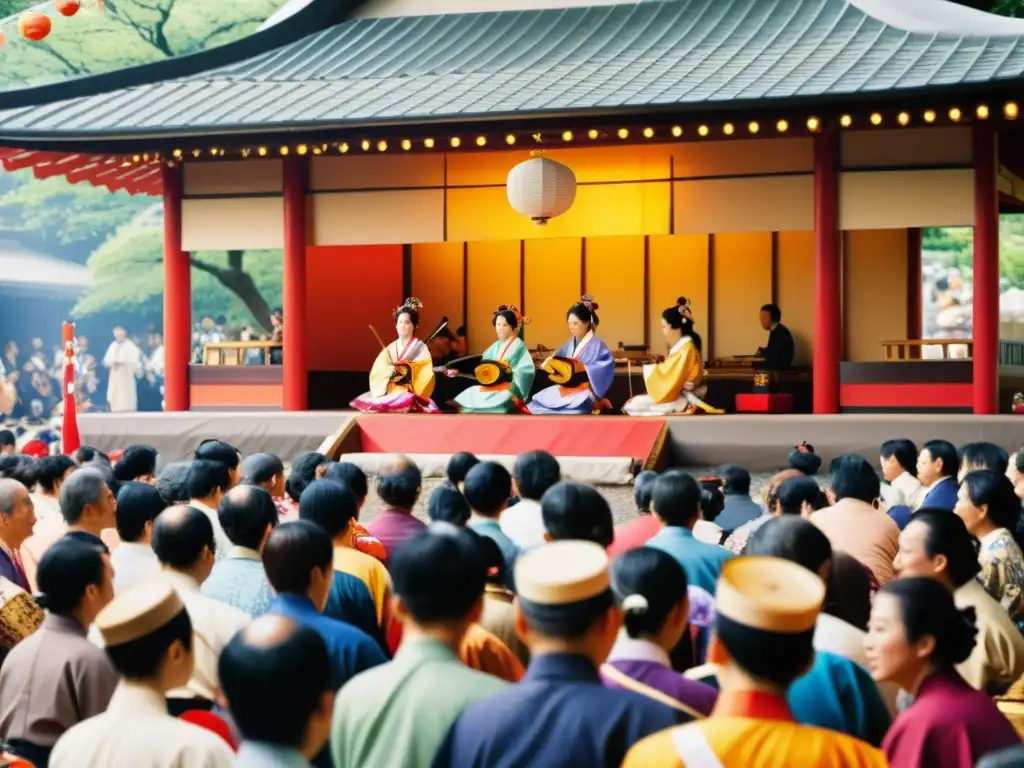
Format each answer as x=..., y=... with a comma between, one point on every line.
x=939, y=17
x=312, y=17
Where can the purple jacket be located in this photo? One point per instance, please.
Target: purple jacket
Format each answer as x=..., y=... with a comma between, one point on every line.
x=393, y=526
x=9, y=571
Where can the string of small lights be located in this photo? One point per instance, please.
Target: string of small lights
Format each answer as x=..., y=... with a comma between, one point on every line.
x=550, y=139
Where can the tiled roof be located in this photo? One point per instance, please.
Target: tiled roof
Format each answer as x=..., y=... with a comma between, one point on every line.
x=691, y=54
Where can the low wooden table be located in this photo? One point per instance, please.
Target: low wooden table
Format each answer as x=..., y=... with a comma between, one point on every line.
x=910, y=349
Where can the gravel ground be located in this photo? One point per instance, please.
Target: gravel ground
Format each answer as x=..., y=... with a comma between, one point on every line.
x=619, y=496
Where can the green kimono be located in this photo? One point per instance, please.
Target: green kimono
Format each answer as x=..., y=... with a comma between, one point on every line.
x=481, y=399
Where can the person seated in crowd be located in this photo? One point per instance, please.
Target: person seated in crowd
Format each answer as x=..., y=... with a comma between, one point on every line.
x=650, y=588
x=533, y=473
x=937, y=468
x=306, y=467
x=17, y=517
x=712, y=502
x=150, y=641
x=458, y=467
x=406, y=707
x=836, y=692
x=87, y=454
x=739, y=507
x=975, y=456
x=737, y=540
x=248, y=515
x=271, y=655
x=937, y=545
x=916, y=638
x=675, y=502
x=354, y=478
x=266, y=471
x=361, y=588
x=173, y=482
x=854, y=523
x=8, y=443
x=764, y=632
x=299, y=560
x=1015, y=472
x=184, y=543
x=134, y=560
x=137, y=464
x=487, y=489
x=21, y=468
x=398, y=484
x=208, y=481
x=228, y=455
x=642, y=528
x=55, y=678
x=898, y=460
x=560, y=714
x=573, y=511
x=448, y=505
x=51, y=472
x=499, y=617
x=990, y=510
x=88, y=506
x=803, y=459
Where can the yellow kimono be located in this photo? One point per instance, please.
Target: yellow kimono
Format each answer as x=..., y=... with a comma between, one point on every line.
x=393, y=392
x=673, y=386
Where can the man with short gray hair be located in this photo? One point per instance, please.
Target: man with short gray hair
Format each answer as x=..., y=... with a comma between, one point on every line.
x=17, y=516
x=88, y=506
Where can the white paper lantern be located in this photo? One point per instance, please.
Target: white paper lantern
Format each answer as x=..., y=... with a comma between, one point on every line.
x=541, y=188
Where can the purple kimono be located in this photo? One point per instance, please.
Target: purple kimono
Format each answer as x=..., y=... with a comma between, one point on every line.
x=600, y=365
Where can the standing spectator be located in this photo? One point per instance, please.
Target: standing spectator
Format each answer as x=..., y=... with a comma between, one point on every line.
x=458, y=467
x=124, y=360
x=448, y=505
x=975, y=456
x=560, y=714
x=916, y=638
x=271, y=655
x=937, y=467
x=306, y=467
x=898, y=459
x=173, y=482
x=266, y=471
x=8, y=443
x=226, y=454
x=248, y=515
x=533, y=474
x=398, y=485
x=183, y=542
x=137, y=463
x=51, y=472
x=405, y=707
x=149, y=639
x=854, y=523
x=577, y=512
x=739, y=507
x=642, y=528
x=88, y=455
x=354, y=478
x=87, y=382
x=88, y=506
x=16, y=520
x=55, y=677
x=134, y=560
x=487, y=490
x=208, y=481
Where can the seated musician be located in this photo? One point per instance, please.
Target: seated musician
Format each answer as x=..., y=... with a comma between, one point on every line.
x=402, y=376
x=442, y=348
x=675, y=384
x=505, y=370
x=582, y=370
x=778, y=354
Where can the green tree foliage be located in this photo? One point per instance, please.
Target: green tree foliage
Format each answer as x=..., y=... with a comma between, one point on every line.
x=958, y=243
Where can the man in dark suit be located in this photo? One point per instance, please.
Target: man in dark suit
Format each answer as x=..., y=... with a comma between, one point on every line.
x=778, y=354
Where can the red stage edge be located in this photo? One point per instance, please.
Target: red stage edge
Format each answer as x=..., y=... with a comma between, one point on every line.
x=890, y=395
x=642, y=440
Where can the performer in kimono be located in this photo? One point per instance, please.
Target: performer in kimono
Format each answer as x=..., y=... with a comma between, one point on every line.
x=581, y=370
x=515, y=378
x=402, y=376
x=766, y=609
x=124, y=360
x=676, y=383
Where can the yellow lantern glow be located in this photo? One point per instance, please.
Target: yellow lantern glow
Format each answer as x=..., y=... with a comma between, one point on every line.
x=728, y=129
x=623, y=133
x=782, y=126
x=846, y=121
x=1011, y=110
x=982, y=112
x=677, y=131
x=876, y=118
x=702, y=130
x=929, y=115
x=955, y=114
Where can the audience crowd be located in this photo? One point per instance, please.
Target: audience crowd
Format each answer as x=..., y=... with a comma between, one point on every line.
x=233, y=611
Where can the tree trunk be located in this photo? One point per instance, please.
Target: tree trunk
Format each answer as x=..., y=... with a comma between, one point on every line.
x=240, y=283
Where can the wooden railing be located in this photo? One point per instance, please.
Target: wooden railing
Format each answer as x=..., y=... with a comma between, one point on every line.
x=910, y=349
x=220, y=352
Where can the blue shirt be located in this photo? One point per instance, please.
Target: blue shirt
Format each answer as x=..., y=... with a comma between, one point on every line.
x=351, y=650
x=739, y=509
x=240, y=581
x=509, y=551
x=350, y=601
x=260, y=754
x=701, y=562
x=559, y=715
x=942, y=495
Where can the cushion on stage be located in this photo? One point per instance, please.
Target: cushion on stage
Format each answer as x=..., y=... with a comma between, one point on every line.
x=764, y=403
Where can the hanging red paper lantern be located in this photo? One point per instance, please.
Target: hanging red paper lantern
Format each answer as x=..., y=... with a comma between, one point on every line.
x=34, y=26
x=68, y=7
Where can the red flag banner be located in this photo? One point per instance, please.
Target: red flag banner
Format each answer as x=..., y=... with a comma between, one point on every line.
x=70, y=439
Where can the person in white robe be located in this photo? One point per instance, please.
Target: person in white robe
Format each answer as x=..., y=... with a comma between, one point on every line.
x=148, y=638
x=124, y=360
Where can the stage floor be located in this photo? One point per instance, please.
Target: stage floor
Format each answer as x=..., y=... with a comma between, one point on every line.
x=759, y=442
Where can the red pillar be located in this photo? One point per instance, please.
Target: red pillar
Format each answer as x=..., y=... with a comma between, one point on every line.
x=914, y=283
x=295, y=358
x=828, y=305
x=986, y=271
x=177, y=297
